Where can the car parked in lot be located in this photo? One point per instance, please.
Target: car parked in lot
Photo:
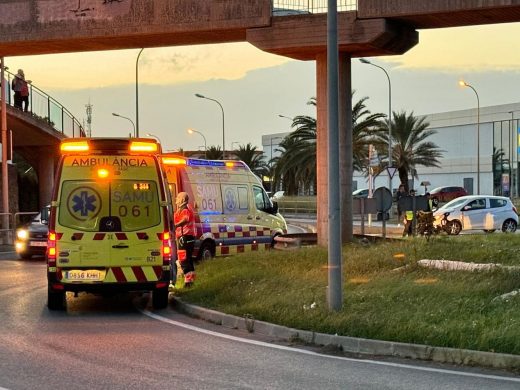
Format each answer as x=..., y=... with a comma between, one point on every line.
x=360, y=193
x=479, y=212
x=278, y=195
x=31, y=239
x=445, y=194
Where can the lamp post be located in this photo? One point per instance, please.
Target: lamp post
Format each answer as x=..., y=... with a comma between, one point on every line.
x=223, y=126
x=462, y=83
x=271, y=162
x=390, y=154
x=131, y=121
x=286, y=117
x=154, y=136
x=511, y=154
x=137, y=92
x=191, y=131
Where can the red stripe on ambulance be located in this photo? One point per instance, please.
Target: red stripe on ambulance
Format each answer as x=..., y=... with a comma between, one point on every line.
x=121, y=236
x=158, y=271
x=99, y=236
x=119, y=275
x=139, y=274
x=77, y=236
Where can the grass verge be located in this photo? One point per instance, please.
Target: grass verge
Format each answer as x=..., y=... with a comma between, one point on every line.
x=387, y=296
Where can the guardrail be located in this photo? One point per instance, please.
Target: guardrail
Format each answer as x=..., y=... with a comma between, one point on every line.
x=311, y=6
x=45, y=107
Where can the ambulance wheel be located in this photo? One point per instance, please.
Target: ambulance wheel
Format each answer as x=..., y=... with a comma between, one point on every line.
x=56, y=300
x=160, y=298
x=207, y=251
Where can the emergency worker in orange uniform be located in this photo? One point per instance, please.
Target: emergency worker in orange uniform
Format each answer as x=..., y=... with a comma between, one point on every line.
x=185, y=231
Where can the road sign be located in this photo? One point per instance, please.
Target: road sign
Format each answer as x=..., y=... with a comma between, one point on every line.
x=391, y=171
x=383, y=198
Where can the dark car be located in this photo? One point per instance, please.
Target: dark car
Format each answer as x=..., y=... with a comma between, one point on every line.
x=31, y=239
x=447, y=193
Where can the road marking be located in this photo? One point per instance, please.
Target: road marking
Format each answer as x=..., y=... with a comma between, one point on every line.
x=305, y=352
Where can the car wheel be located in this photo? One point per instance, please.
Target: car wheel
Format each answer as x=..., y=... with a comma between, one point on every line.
x=56, y=300
x=25, y=256
x=454, y=228
x=489, y=231
x=160, y=298
x=207, y=251
x=509, y=226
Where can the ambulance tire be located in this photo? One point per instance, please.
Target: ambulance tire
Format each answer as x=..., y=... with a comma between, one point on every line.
x=207, y=250
x=56, y=300
x=160, y=298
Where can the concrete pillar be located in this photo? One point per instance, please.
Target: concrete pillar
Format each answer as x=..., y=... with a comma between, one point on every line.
x=322, y=223
x=45, y=176
x=345, y=145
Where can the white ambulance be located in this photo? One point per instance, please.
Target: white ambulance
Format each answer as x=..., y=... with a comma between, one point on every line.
x=110, y=220
x=232, y=210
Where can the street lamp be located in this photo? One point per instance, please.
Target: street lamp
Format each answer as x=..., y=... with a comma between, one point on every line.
x=191, y=131
x=390, y=156
x=271, y=162
x=286, y=117
x=223, y=127
x=131, y=121
x=154, y=136
x=462, y=83
x=137, y=92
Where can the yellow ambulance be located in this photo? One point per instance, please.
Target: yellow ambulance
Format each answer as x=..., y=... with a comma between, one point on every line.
x=232, y=210
x=110, y=220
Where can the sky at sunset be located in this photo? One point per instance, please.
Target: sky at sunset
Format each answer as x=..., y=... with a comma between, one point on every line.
x=254, y=87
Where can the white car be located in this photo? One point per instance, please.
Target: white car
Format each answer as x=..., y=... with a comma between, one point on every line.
x=278, y=195
x=479, y=212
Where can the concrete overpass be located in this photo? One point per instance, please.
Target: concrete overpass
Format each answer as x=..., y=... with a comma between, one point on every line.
x=365, y=28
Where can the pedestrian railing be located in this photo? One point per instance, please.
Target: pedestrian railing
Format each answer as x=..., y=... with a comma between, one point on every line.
x=310, y=6
x=48, y=109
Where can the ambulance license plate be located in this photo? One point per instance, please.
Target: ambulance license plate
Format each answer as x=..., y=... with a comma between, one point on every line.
x=37, y=243
x=91, y=274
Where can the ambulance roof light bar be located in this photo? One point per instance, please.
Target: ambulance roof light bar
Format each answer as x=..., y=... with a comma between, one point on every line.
x=82, y=145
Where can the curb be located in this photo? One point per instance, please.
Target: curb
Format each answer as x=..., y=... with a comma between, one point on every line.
x=354, y=344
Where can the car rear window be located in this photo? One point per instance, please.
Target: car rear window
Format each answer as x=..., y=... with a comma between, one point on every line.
x=494, y=203
x=84, y=202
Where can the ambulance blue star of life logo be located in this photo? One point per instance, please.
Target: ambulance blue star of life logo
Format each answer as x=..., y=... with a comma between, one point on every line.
x=231, y=202
x=84, y=203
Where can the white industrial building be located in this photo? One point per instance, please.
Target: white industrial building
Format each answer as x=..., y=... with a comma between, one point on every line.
x=457, y=134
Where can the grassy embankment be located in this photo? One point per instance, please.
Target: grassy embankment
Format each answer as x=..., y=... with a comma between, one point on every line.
x=387, y=296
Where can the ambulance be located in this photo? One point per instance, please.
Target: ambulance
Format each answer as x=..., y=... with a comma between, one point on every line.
x=232, y=210
x=110, y=221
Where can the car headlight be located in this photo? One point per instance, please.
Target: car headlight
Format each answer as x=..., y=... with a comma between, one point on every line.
x=22, y=234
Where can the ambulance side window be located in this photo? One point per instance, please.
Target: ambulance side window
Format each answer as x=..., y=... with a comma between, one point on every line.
x=262, y=202
x=243, y=199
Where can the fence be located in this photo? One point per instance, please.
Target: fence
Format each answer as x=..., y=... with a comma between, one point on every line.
x=45, y=107
x=311, y=6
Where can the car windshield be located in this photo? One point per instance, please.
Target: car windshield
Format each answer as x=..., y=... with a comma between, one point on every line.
x=454, y=203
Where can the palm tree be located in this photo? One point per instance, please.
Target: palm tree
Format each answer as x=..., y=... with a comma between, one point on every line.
x=214, y=153
x=253, y=158
x=299, y=156
x=410, y=148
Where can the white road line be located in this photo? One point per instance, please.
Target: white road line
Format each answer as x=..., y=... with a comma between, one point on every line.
x=305, y=352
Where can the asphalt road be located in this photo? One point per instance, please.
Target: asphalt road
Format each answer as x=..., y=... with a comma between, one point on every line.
x=120, y=343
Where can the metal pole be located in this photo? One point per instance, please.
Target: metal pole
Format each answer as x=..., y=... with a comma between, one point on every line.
x=335, y=299
x=511, y=138
x=3, y=126
x=223, y=123
x=464, y=84
x=136, y=131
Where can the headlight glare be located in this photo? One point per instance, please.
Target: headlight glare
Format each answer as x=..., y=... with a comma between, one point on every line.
x=22, y=234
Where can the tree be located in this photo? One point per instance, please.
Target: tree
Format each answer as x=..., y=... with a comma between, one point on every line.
x=214, y=153
x=253, y=158
x=298, y=159
x=409, y=146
